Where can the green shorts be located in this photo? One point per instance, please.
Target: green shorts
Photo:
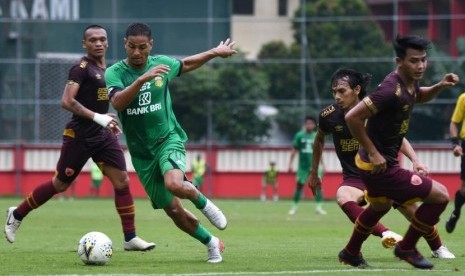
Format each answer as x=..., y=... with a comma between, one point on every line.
x=169, y=155
x=97, y=183
x=198, y=181
x=302, y=175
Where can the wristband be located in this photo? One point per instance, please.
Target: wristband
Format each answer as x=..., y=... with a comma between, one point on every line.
x=455, y=141
x=102, y=119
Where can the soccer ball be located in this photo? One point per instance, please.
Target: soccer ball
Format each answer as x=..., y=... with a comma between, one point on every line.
x=95, y=248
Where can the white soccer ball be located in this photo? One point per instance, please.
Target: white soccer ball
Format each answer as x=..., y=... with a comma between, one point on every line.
x=95, y=248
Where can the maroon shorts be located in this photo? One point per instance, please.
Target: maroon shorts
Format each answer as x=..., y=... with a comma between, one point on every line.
x=402, y=186
x=74, y=154
x=354, y=182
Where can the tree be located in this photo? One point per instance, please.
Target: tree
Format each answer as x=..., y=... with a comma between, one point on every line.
x=358, y=44
x=333, y=35
x=235, y=91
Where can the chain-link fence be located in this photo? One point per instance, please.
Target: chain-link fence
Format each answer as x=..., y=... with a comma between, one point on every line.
x=245, y=100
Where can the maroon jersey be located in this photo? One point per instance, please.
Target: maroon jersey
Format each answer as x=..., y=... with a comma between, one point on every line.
x=83, y=138
x=331, y=120
x=92, y=94
x=391, y=104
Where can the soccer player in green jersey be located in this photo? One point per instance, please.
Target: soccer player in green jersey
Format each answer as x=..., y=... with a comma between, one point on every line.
x=303, y=145
x=199, y=168
x=138, y=90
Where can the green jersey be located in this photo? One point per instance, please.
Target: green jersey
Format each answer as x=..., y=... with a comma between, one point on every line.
x=149, y=119
x=303, y=143
x=271, y=176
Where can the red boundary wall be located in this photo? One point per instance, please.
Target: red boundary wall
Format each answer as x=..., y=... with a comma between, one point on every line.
x=223, y=184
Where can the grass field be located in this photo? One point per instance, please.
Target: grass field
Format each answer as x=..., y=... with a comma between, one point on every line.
x=261, y=239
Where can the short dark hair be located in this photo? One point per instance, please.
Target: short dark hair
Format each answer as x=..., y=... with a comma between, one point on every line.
x=354, y=78
x=402, y=43
x=139, y=29
x=310, y=118
x=93, y=26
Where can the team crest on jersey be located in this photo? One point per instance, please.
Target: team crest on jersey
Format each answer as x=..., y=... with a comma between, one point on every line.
x=83, y=64
x=338, y=128
x=158, y=81
x=98, y=76
x=145, y=98
x=327, y=111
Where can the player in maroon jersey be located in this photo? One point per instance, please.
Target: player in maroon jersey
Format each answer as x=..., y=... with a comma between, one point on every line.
x=348, y=88
x=386, y=113
x=91, y=133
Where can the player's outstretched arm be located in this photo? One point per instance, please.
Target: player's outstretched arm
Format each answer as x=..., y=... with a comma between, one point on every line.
x=427, y=93
x=224, y=50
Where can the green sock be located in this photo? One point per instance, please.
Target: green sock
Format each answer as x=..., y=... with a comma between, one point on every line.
x=200, y=202
x=296, y=197
x=319, y=199
x=201, y=234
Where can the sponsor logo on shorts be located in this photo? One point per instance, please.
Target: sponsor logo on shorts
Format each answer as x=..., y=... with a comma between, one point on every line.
x=69, y=172
x=416, y=180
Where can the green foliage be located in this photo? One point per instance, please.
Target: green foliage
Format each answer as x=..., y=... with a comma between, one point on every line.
x=327, y=39
x=342, y=39
x=261, y=239
x=235, y=91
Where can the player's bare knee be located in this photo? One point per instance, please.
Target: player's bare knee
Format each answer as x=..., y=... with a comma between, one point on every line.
x=439, y=193
x=59, y=185
x=121, y=183
x=175, y=187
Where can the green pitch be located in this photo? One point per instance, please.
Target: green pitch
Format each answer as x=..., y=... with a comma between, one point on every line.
x=261, y=239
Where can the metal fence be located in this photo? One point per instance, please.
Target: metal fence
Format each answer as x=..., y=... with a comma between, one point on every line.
x=31, y=84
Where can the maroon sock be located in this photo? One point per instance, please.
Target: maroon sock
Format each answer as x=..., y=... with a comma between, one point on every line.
x=352, y=210
x=362, y=229
x=36, y=198
x=433, y=239
x=126, y=210
x=422, y=224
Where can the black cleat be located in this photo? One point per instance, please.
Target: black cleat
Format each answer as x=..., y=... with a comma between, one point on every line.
x=451, y=222
x=413, y=257
x=355, y=261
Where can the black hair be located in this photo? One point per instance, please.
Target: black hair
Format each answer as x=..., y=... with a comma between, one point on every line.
x=139, y=29
x=353, y=78
x=311, y=118
x=93, y=26
x=401, y=44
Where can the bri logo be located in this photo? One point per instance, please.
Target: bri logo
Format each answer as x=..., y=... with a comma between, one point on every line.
x=145, y=98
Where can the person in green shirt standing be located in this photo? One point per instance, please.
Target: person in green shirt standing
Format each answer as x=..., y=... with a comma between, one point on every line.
x=199, y=168
x=303, y=145
x=138, y=89
x=270, y=177
x=96, y=175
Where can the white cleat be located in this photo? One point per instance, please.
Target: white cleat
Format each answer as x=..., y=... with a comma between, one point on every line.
x=292, y=211
x=11, y=225
x=320, y=211
x=215, y=215
x=138, y=244
x=215, y=248
x=390, y=239
x=442, y=253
